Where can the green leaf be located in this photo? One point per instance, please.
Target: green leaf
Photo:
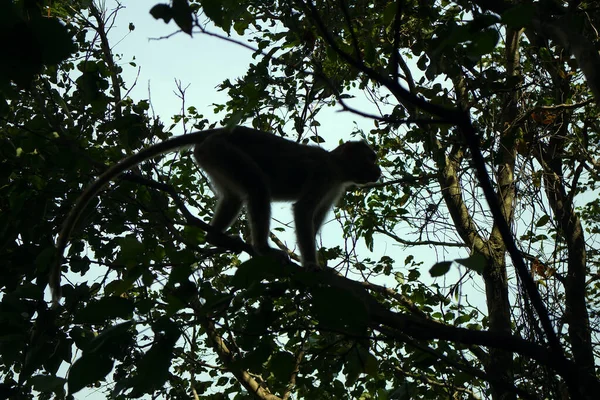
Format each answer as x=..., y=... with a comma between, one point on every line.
x=482, y=22
x=153, y=367
x=282, y=365
x=29, y=290
x=213, y=10
x=340, y=310
x=81, y=336
x=131, y=249
x=389, y=12
x=413, y=275
x=118, y=286
x=422, y=62
x=462, y=319
x=476, y=262
x=255, y=358
x=255, y=270
x=45, y=258
x=399, y=277
x=519, y=16
x=55, y=40
x=182, y=15
x=162, y=11
x=484, y=43
x=105, y=309
x=89, y=369
x=440, y=268
x=542, y=221
x=47, y=383
x=110, y=339
x=240, y=26
x=359, y=361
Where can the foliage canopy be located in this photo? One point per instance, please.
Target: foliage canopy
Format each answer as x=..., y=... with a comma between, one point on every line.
x=486, y=125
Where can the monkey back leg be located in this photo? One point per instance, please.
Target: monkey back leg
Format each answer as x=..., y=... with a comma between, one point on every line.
x=305, y=232
x=228, y=208
x=238, y=179
x=309, y=213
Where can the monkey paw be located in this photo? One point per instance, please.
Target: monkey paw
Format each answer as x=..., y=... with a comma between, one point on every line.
x=313, y=266
x=218, y=239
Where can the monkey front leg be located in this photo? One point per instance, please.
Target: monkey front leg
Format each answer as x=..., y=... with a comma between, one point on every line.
x=259, y=215
x=309, y=213
x=306, y=232
x=228, y=208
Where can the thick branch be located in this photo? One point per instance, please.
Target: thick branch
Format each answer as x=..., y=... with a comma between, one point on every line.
x=424, y=329
x=227, y=357
x=452, y=194
x=108, y=57
x=572, y=233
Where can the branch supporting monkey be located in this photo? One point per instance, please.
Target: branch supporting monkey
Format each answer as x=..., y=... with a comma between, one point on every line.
x=253, y=168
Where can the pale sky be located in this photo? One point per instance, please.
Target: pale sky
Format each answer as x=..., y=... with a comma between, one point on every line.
x=201, y=61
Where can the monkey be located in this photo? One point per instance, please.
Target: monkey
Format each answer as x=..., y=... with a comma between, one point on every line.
x=251, y=168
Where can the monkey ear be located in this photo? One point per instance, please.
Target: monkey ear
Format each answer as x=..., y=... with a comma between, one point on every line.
x=347, y=150
x=357, y=151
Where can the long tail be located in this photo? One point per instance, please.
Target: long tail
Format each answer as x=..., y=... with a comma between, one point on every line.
x=110, y=174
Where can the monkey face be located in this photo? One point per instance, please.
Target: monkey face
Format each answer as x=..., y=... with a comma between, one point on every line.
x=359, y=162
x=367, y=174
